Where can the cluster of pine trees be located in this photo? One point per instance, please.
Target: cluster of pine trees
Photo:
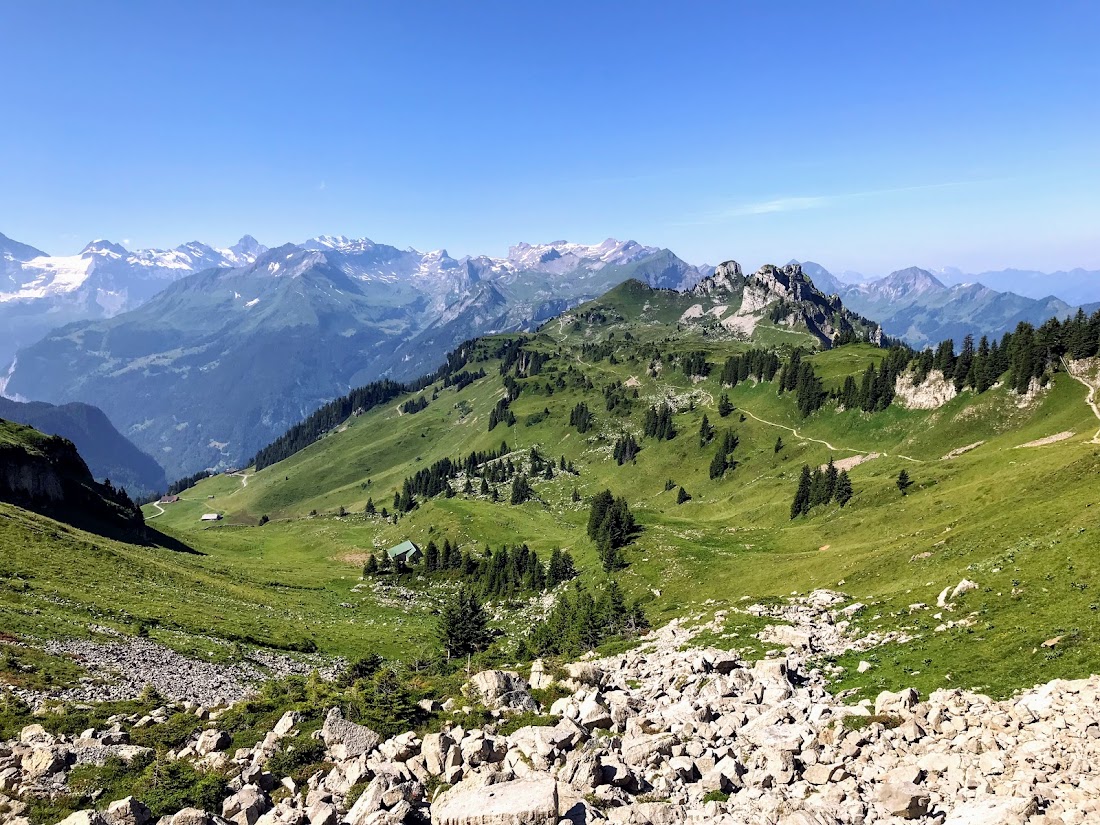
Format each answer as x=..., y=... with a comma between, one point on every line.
x=626, y=449
x=581, y=418
x=761, y=364
x=461, y=380
x=611, y=526
x=799, y=376
x=723, y=461
x=500, y=574
x=415, y=405
x=492, y=466
x=821, y=486
x=580, y=622
x=658, y=423
x=615, y=398
x=695, y=363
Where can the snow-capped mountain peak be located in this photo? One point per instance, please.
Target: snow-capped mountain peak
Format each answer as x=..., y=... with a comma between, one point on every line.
x=107, y=248
x=339, y=243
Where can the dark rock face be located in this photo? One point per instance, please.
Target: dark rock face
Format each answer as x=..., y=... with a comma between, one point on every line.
x=45, y=474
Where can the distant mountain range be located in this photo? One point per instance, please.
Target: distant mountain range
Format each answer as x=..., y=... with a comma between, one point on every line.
x=39, y=292
x=914, y=305
x=107, y=452
x=1077, y=286
x=222, y=360
x=200, y=355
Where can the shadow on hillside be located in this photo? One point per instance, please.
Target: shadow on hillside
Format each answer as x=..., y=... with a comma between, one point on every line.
x=158, y=539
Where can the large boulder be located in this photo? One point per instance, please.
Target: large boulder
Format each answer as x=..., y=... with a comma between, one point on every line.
x=345, y=739
x=519, y=802
x=903, y=800
x=84, y=818
x=212, y=740
x=128, y=811
x=501, y=690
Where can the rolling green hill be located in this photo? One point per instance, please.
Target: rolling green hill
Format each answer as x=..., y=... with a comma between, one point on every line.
x=1004, y=493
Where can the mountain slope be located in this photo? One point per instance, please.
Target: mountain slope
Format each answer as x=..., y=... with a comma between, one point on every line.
x=985, y=504
x=222, y=361
x=108, y=454
x=1075, y=286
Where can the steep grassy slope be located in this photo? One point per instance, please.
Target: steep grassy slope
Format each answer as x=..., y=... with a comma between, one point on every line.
x=1018, y=520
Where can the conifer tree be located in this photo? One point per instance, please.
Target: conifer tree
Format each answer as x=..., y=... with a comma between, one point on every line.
x=484, y=486
x=682, y=496
x=904, y=482
x=718, y=463
x=843, y=488
x=801, y=504
x=463, y=625
x=724, y=405
x=370, y=511
x=706, y=432
x=778, y=444
x=371, y=567
x=431, y=557
x=521, y=490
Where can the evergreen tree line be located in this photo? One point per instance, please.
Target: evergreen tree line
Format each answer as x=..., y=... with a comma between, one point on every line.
x=821, y=486
x=761, y=364
x=461, y=380
x=694, y=363
x=178, y=486
x=415, y=405
x=658, y=423
x=363, y=399
x=501, y=574
x=611, y=526
x=580, y=622
x=327, y=418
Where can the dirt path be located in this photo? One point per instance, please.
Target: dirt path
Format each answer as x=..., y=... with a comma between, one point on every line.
x=1090, y=399
x=243, y=477
x=159, y=508
x=801, y=437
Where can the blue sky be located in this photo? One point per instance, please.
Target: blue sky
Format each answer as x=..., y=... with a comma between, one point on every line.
x=866, y=136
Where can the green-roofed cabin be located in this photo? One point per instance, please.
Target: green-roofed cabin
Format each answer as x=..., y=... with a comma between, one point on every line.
x=406, y=551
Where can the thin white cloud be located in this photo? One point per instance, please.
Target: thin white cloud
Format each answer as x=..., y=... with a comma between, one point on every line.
x=803, y=202
x=321, y=186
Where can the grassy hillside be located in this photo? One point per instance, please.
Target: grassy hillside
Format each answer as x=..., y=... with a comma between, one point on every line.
x=1018, y=520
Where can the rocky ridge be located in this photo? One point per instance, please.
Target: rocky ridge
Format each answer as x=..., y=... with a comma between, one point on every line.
x=665, y=733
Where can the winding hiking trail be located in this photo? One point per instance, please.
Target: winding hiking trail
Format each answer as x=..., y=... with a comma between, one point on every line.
x=157, y=505
x=1090, y=399
x=243, y=477
x=798, y=435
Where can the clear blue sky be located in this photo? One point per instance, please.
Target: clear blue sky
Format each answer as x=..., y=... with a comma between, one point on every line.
x=865, y=136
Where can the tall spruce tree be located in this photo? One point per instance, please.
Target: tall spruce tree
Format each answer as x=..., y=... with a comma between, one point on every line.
x=801, y=504
x=843, y=488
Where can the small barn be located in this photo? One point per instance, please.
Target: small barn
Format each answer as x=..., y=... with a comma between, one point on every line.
x=168, y=499
x=406, y=551
x=211, y=517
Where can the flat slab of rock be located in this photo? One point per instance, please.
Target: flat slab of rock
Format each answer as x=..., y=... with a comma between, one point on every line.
x=993, y=810
x=520, y=802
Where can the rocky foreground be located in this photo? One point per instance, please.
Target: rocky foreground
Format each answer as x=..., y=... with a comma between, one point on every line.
x=665, y=733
